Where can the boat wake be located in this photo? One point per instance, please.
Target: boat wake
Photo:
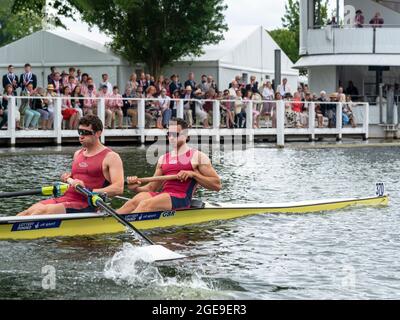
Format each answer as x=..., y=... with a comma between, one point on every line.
x=133, y=266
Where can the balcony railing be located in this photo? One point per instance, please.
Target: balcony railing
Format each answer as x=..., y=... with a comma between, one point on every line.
x=280, y=122
x=371, y=40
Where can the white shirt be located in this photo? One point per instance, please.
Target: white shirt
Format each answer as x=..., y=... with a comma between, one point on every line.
x=283, y=89
x=109, y=86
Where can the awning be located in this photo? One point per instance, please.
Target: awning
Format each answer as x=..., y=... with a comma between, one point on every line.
x=349, y=60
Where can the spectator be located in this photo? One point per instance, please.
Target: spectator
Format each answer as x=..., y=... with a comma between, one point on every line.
x=318, y=110
x=31, y=116
x=268, y=95
x=190, y=81
x=188, y=106
x=175, y=84
x=132, y=82
x=49, y=105
x=152, y=109
x=352, y=90
x=211, y=84
x=226, y=107
x=57, y=83
x=40, y=106
x=203, y=86
x=11, y=78
x=130, y=106
x=348, y=111
x=277, y=98
x=329, y=110
x=284, y=88
x=115, y=105
x=71, y=83
x=253, y=85
x=359, y=19
x=377, y=21
x=78, y=100
x=160, y=84
x=50, y=77
x=240, y=112
x=332, y=22
x=175, y=95
x=90, y=101
x=166, y=112
x=68, y=112
x=201, y=114
x=27, y=77
x=106, y=83
x=78, y=75
x=9, y=92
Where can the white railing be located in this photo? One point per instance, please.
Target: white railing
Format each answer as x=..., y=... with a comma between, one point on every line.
x=279, y=116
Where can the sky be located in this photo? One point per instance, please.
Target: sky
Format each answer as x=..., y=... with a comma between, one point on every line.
x=267, y=13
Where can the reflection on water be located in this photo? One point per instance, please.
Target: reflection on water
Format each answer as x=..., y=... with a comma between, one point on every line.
x=346, y=254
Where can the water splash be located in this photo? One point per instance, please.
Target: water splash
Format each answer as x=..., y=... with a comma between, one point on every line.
x=133, y=266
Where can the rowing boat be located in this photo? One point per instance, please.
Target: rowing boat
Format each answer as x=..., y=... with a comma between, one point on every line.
x=86, y=224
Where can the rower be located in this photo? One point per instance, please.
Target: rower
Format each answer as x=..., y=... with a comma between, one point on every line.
x=192, y=168
x=94, y=167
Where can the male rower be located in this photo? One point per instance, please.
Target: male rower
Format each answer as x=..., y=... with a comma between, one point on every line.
x=94, y=167
x=192, y=168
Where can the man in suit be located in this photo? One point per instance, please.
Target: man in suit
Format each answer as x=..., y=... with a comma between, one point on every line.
x=174, y=85
x=190, y=82
x=11, y=78
x=27, y=77
x=253, y=85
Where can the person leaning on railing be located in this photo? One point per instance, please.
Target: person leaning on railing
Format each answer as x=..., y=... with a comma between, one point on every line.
x=116, y=105
x=9, y=92
x=129, y=107
x=68, y=112
x=40, y=106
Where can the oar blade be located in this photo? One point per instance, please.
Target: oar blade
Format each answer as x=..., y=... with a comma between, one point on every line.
x=157, y=253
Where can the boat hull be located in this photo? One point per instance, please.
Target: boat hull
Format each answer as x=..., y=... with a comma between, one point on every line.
x=34, y=227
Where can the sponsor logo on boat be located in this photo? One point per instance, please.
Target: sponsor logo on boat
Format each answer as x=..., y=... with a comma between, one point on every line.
x=36, y=225
x=143, y=216
x=168, y=214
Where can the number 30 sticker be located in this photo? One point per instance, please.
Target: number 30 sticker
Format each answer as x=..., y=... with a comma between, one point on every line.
x=380, y=189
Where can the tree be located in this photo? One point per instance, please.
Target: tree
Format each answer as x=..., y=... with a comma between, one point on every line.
x=287, y=41
x=156, y=32
x=15, y=26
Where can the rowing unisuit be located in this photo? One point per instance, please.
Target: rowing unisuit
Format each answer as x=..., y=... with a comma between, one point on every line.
x=90, y=171
x=181, y=192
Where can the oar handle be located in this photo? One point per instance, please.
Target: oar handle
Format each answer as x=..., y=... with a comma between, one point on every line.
x=55, y=190
x=158, y=178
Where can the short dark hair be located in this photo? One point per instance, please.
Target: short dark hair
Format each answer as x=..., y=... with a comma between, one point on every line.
x=10, y=66
x=71, y=69
x=92, y=120
x=180, y=122
x=27, y=65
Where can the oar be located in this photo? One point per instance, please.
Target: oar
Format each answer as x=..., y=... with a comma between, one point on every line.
x=158, y=178
x=55, y=190
x=155, y=252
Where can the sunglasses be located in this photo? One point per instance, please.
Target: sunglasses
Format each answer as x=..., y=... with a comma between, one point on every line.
x=83, y=132
x=175, y=134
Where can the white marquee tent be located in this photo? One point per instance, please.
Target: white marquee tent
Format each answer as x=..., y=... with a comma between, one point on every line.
x=63, y=49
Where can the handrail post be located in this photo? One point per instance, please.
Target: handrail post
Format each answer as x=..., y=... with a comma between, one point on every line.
x=280, y=123
x=216, y=119
x=339, y=121
x=101, y=112
x=311, y=119
x=179, y=110
x=11, y=119
x=249, y=121
x=58, y=120
x=366, y=122
x=141, y=120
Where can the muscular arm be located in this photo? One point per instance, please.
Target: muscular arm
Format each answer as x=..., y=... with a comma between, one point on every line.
x=115, y=170
x=204, y=173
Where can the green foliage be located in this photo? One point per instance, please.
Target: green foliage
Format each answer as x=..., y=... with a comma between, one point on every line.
x=156, y=32
x=15, y=25
x=287, y=40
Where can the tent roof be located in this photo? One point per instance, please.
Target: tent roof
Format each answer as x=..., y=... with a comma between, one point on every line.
x=57, y=47
x=244, y=46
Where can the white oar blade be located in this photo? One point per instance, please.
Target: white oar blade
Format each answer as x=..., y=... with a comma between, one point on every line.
x=160, y=253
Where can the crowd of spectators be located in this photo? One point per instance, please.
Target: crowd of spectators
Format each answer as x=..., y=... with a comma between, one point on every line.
x=79, y=96
x=359, y=20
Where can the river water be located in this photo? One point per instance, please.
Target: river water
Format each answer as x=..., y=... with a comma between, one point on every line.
x=348, y=254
